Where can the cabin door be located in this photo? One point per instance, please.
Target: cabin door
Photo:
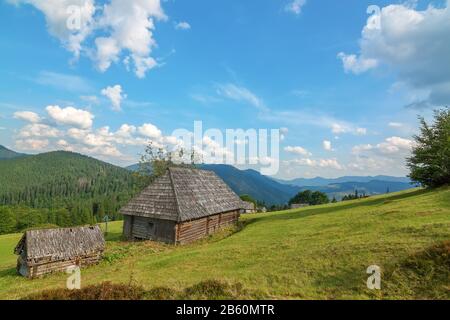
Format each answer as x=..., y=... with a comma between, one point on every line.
x=151, y=230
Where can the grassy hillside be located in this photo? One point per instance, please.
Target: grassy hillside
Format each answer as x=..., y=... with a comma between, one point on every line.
x=317, y=252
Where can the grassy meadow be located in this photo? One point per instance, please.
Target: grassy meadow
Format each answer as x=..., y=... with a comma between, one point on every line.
x=318, y=252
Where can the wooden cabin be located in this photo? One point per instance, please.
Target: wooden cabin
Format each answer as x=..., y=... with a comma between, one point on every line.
x=181, y=206
x=248, y=207
x=51, y=250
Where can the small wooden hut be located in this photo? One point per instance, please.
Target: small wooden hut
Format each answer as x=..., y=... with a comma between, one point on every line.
x=181, y=206
x=248, y=207
x=51, y=250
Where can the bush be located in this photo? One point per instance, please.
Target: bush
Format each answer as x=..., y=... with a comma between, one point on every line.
x=103, y=291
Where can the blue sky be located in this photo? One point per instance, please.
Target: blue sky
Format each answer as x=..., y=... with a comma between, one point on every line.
x=347, y=100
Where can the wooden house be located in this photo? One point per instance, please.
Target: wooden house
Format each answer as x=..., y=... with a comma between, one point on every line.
x=181, y=206
x=248, y=207
x=51, y=250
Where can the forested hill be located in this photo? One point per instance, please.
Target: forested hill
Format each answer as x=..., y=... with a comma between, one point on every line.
x=5, y=153
x=82, y=187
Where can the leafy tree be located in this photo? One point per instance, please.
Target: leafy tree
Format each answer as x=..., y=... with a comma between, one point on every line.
x=156, y=160
x=7, y=221
x=302, y=197
x=309, y=197
x=430, y=161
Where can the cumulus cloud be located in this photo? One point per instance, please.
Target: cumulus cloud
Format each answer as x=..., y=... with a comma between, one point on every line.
x=391, y=145
x=297, y=150
x=31, y=144
x=413, y=44
x=295, y=6
x=70, y=116
x=38, y=130
x=27, y=116
x=105, y=32
x=149, y=130
x=182, y=25
x=115, y=95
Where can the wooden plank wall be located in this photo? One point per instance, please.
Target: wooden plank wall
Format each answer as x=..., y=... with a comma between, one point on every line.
x=39, y=269
x=190, y=231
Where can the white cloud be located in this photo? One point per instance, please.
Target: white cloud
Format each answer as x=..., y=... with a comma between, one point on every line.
x=70, y=116
x=126, y=130
x=131, y=26
x=355, y=64
x=337, y=128
x=118, y=28
x=31, y=144
x=321, y=163
x=327, y=145
x=241, y=94
x=182, y=25
x=27, y=116
x=149, y=130
x=391, y=145
x=297, y=150
x=413, y=44
x=38, y=130
x=115, y=95
x=295, y=6
x=395, y=144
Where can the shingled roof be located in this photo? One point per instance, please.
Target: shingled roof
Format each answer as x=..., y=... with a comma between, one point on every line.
x=61, y=243
x=184, y=194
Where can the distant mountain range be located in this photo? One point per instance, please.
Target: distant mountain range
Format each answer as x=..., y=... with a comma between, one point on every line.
x=275, y=191
x=319, y=181
x=6, y=153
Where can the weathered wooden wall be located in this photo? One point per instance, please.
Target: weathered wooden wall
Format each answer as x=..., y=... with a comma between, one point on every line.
x=190, y=231
x=39, y=268
x=138, y=228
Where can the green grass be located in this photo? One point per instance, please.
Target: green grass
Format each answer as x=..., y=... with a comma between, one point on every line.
x=317, y=252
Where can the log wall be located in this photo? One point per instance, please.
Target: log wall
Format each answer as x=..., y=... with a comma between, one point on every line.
x=142, y=228
x=39, y=268
x=190, y=231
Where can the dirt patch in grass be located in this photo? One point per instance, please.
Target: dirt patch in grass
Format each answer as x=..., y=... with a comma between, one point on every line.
x=204, y=290
x=426, y=274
